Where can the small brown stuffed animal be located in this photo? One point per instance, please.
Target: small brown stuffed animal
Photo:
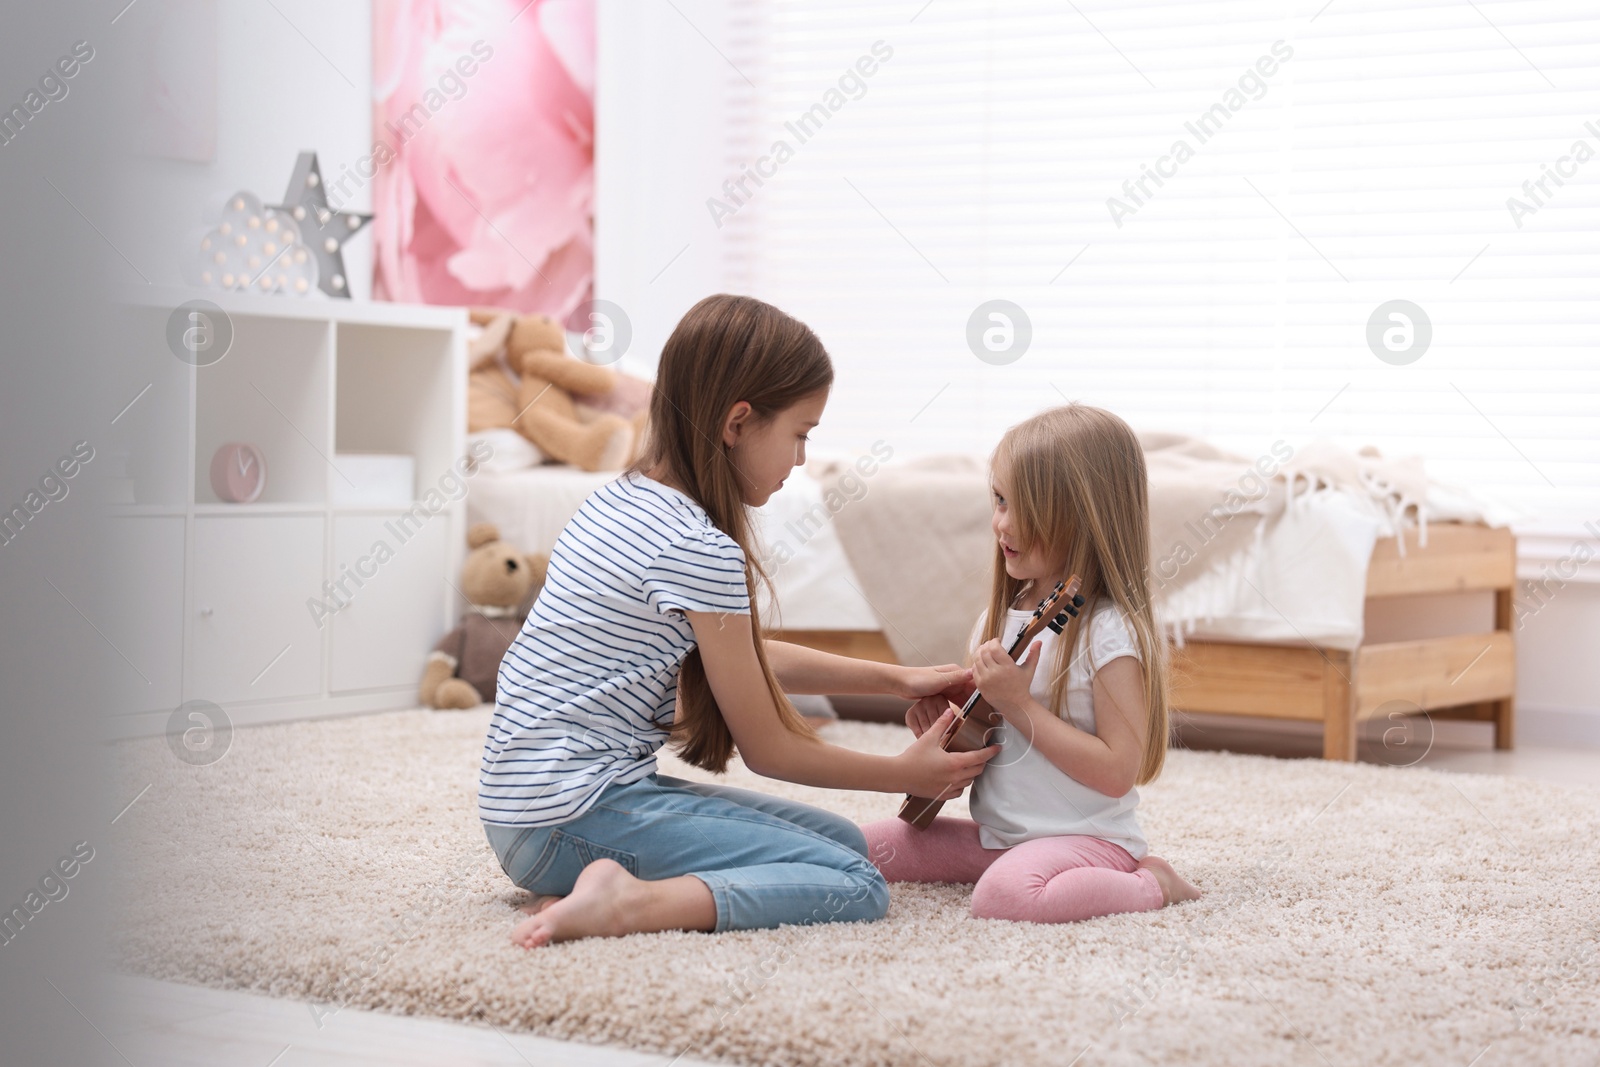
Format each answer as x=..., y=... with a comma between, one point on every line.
x=523, y=377
x=500, y=584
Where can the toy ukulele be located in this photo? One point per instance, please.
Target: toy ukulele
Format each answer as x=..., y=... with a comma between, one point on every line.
x=973, y=723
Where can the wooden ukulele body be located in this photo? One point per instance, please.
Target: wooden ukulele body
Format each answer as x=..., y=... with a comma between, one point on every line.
x=968, y=733
x=973, y=732
x=977, y=719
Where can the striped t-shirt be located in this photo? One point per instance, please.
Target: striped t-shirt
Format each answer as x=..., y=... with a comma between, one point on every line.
x=586, y=691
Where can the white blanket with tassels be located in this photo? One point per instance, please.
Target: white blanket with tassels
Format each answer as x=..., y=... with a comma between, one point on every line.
x=1273, y=549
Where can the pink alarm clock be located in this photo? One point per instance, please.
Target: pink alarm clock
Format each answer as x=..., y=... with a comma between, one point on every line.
x=238, y=473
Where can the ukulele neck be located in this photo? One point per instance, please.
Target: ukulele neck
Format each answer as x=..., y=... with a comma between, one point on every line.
x=1017, y=647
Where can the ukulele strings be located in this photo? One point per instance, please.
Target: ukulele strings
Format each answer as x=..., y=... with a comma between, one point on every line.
x=1016, y=646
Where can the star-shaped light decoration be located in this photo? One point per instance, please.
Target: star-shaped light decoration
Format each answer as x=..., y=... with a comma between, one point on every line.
x=325, y=230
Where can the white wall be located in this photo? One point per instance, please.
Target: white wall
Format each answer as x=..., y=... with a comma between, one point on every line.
x=1558, y=668
x=276, y=96
x=661, y=93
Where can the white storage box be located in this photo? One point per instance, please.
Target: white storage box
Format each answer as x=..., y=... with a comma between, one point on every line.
x=373, y=480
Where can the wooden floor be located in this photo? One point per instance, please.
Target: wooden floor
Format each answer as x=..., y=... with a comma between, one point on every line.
x=171, y=1025
x=185, y=1026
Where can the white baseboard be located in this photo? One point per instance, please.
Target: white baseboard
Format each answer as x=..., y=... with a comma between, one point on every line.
x=1558, y=726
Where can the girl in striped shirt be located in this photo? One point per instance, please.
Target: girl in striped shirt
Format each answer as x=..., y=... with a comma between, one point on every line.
x=649, y=606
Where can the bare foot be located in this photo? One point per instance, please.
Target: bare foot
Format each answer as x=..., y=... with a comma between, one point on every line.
x=1174, y=888
x=596, y=907
x=538, y=905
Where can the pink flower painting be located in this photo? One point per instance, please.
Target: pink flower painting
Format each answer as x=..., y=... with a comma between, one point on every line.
x=483, y=119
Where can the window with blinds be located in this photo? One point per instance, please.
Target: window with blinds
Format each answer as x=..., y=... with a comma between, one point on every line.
x=1200, y=215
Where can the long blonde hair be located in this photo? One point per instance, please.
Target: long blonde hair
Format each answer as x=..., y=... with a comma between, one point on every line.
x=724, y=350
x=1077, y=484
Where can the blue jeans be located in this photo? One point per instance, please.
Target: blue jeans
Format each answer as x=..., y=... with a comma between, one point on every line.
x=766, y=861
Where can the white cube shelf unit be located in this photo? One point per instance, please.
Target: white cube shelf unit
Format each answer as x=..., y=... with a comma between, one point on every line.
x=220, y=601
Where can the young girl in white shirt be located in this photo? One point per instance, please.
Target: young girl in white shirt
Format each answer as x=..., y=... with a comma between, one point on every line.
x=648, y=606
x=1053, y=835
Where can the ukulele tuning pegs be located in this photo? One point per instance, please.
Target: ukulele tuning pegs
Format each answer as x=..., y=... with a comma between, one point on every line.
x=1058, y=623
x=1077, y=601
x=1070, y=610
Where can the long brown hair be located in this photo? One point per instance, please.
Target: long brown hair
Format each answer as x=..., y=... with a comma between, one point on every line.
x=726, y=349
x=1077, y=485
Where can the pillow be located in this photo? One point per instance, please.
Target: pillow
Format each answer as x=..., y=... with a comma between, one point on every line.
x=508, y=450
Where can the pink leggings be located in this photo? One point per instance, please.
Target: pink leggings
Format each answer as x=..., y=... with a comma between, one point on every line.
x=1046, y=880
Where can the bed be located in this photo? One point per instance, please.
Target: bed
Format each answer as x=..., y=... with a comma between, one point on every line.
x=1266, y=611
x=1469, y=675
x=1460, y=676
x=1265, y=615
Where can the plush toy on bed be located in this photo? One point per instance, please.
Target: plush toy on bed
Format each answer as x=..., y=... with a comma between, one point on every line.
x=574, y=412
x=500, y=584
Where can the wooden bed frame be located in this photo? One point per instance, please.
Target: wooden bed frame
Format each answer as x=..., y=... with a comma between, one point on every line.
x=1464, y=676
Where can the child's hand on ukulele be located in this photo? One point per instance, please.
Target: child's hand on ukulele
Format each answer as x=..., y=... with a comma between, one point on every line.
x=925, y=712
x=930, y=771
x=1004, y=684
x=950, y=680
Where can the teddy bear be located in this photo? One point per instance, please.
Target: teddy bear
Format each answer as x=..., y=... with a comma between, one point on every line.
x=500, y=584
x=589, y=416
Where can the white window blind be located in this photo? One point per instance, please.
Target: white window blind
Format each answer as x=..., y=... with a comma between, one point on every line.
x=1366, y=158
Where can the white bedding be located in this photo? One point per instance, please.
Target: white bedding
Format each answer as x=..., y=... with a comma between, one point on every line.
x=1293, y=569
x=1285, y=562
x=816, y=587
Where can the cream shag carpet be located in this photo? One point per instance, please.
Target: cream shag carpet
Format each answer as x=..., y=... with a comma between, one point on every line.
x=1353, y=914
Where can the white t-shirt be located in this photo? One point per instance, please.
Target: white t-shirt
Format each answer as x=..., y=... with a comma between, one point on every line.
x=586, y=691
x=1021, y=795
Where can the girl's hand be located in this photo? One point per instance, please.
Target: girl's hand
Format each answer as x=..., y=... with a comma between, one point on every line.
x=924, y=713
x=930, y=771
x=949, y=680
x=1004, y=684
